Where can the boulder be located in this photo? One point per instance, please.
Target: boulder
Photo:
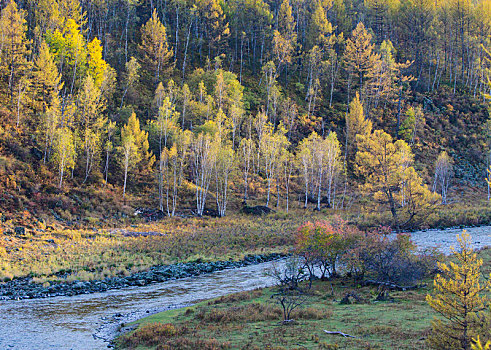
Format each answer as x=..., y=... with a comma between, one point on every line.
x=257, y=210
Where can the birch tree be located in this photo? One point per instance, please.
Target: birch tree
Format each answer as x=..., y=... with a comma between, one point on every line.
x=333, y=165
x=247, y=148
x=271, y=145
x=443, y=175
x=224, y=164
x=172, y=165
x=64, y=152
x=203, y=157
x=132, y=75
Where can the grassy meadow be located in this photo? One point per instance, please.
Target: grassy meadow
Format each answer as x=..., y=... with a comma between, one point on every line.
x=57, y=253
x=251, y=320
x=64, y=254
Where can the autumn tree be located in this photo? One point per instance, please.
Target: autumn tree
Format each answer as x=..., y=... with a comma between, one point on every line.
x=156, y=51
x=132, y=75
x=203, y=157
x=359, y=58
x=172, y=163
x=109, y=146
x=271, y=145
x=214, y=23
x=46, y=76
x=356, y=124
x=134, y=148
x=49, y=124
x=14, y=51
x=385, y=166
x=459, y=298
x=64, y=152
x=91, y=123
x=164, y=126
x=246, y=151
x=224, y=165
x=443, y=175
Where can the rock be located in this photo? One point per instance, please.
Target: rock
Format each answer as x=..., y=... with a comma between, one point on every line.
x=257, y=210
x=20, y=230
x=150, y=214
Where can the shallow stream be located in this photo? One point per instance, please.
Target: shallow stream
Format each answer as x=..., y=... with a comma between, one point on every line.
x=87, y=322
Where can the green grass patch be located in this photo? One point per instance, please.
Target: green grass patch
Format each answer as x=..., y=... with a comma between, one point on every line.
x=251, y=320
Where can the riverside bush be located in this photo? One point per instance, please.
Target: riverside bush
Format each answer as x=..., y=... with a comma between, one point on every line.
x=324, y=245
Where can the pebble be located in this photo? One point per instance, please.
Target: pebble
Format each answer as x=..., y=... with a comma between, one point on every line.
x=24, y=288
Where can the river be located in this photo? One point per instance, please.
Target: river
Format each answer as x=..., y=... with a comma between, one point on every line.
x=86, y=322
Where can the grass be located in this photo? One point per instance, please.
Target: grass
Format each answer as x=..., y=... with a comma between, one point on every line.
x=249, y=320
x=61, y=254
x=56, y=253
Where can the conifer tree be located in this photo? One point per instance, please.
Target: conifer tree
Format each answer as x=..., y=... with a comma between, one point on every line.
x=156, y=51
x=46, y=76
x=459, y=299
x=14, y=50
x=359, y=57
x=356, y=124
x=389, y=178
x=132, y=75
x=135, y=149
x=215, y=25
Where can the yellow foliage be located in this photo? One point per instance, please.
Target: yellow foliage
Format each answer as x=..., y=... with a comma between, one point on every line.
x=458, y=299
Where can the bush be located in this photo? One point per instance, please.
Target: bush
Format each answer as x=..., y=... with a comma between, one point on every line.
x=374, y=254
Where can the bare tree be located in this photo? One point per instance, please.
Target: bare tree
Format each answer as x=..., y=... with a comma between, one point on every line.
x=290, y=293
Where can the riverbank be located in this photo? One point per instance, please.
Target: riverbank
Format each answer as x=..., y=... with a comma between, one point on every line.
x=25, y=288
x=250, y=320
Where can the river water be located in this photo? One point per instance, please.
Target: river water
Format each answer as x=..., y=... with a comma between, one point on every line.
x=86, y=322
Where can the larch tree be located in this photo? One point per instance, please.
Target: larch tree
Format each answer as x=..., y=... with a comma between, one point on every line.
x=157, y=54
x=459, y=298
x=14, y=49
x=132, y=75
x=134, y=149
x=388, y=176
x=46, y=76
x=359, y=57
x=215, y=25
x=356, y=124
x=319, y=31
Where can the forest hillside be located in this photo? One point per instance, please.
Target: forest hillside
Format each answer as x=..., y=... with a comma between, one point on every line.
x=199, y=107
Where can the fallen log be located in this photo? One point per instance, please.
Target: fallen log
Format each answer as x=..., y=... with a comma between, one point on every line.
x=340, y=333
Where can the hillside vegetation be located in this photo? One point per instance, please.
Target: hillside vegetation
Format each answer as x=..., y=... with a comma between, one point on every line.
x=201, y=107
